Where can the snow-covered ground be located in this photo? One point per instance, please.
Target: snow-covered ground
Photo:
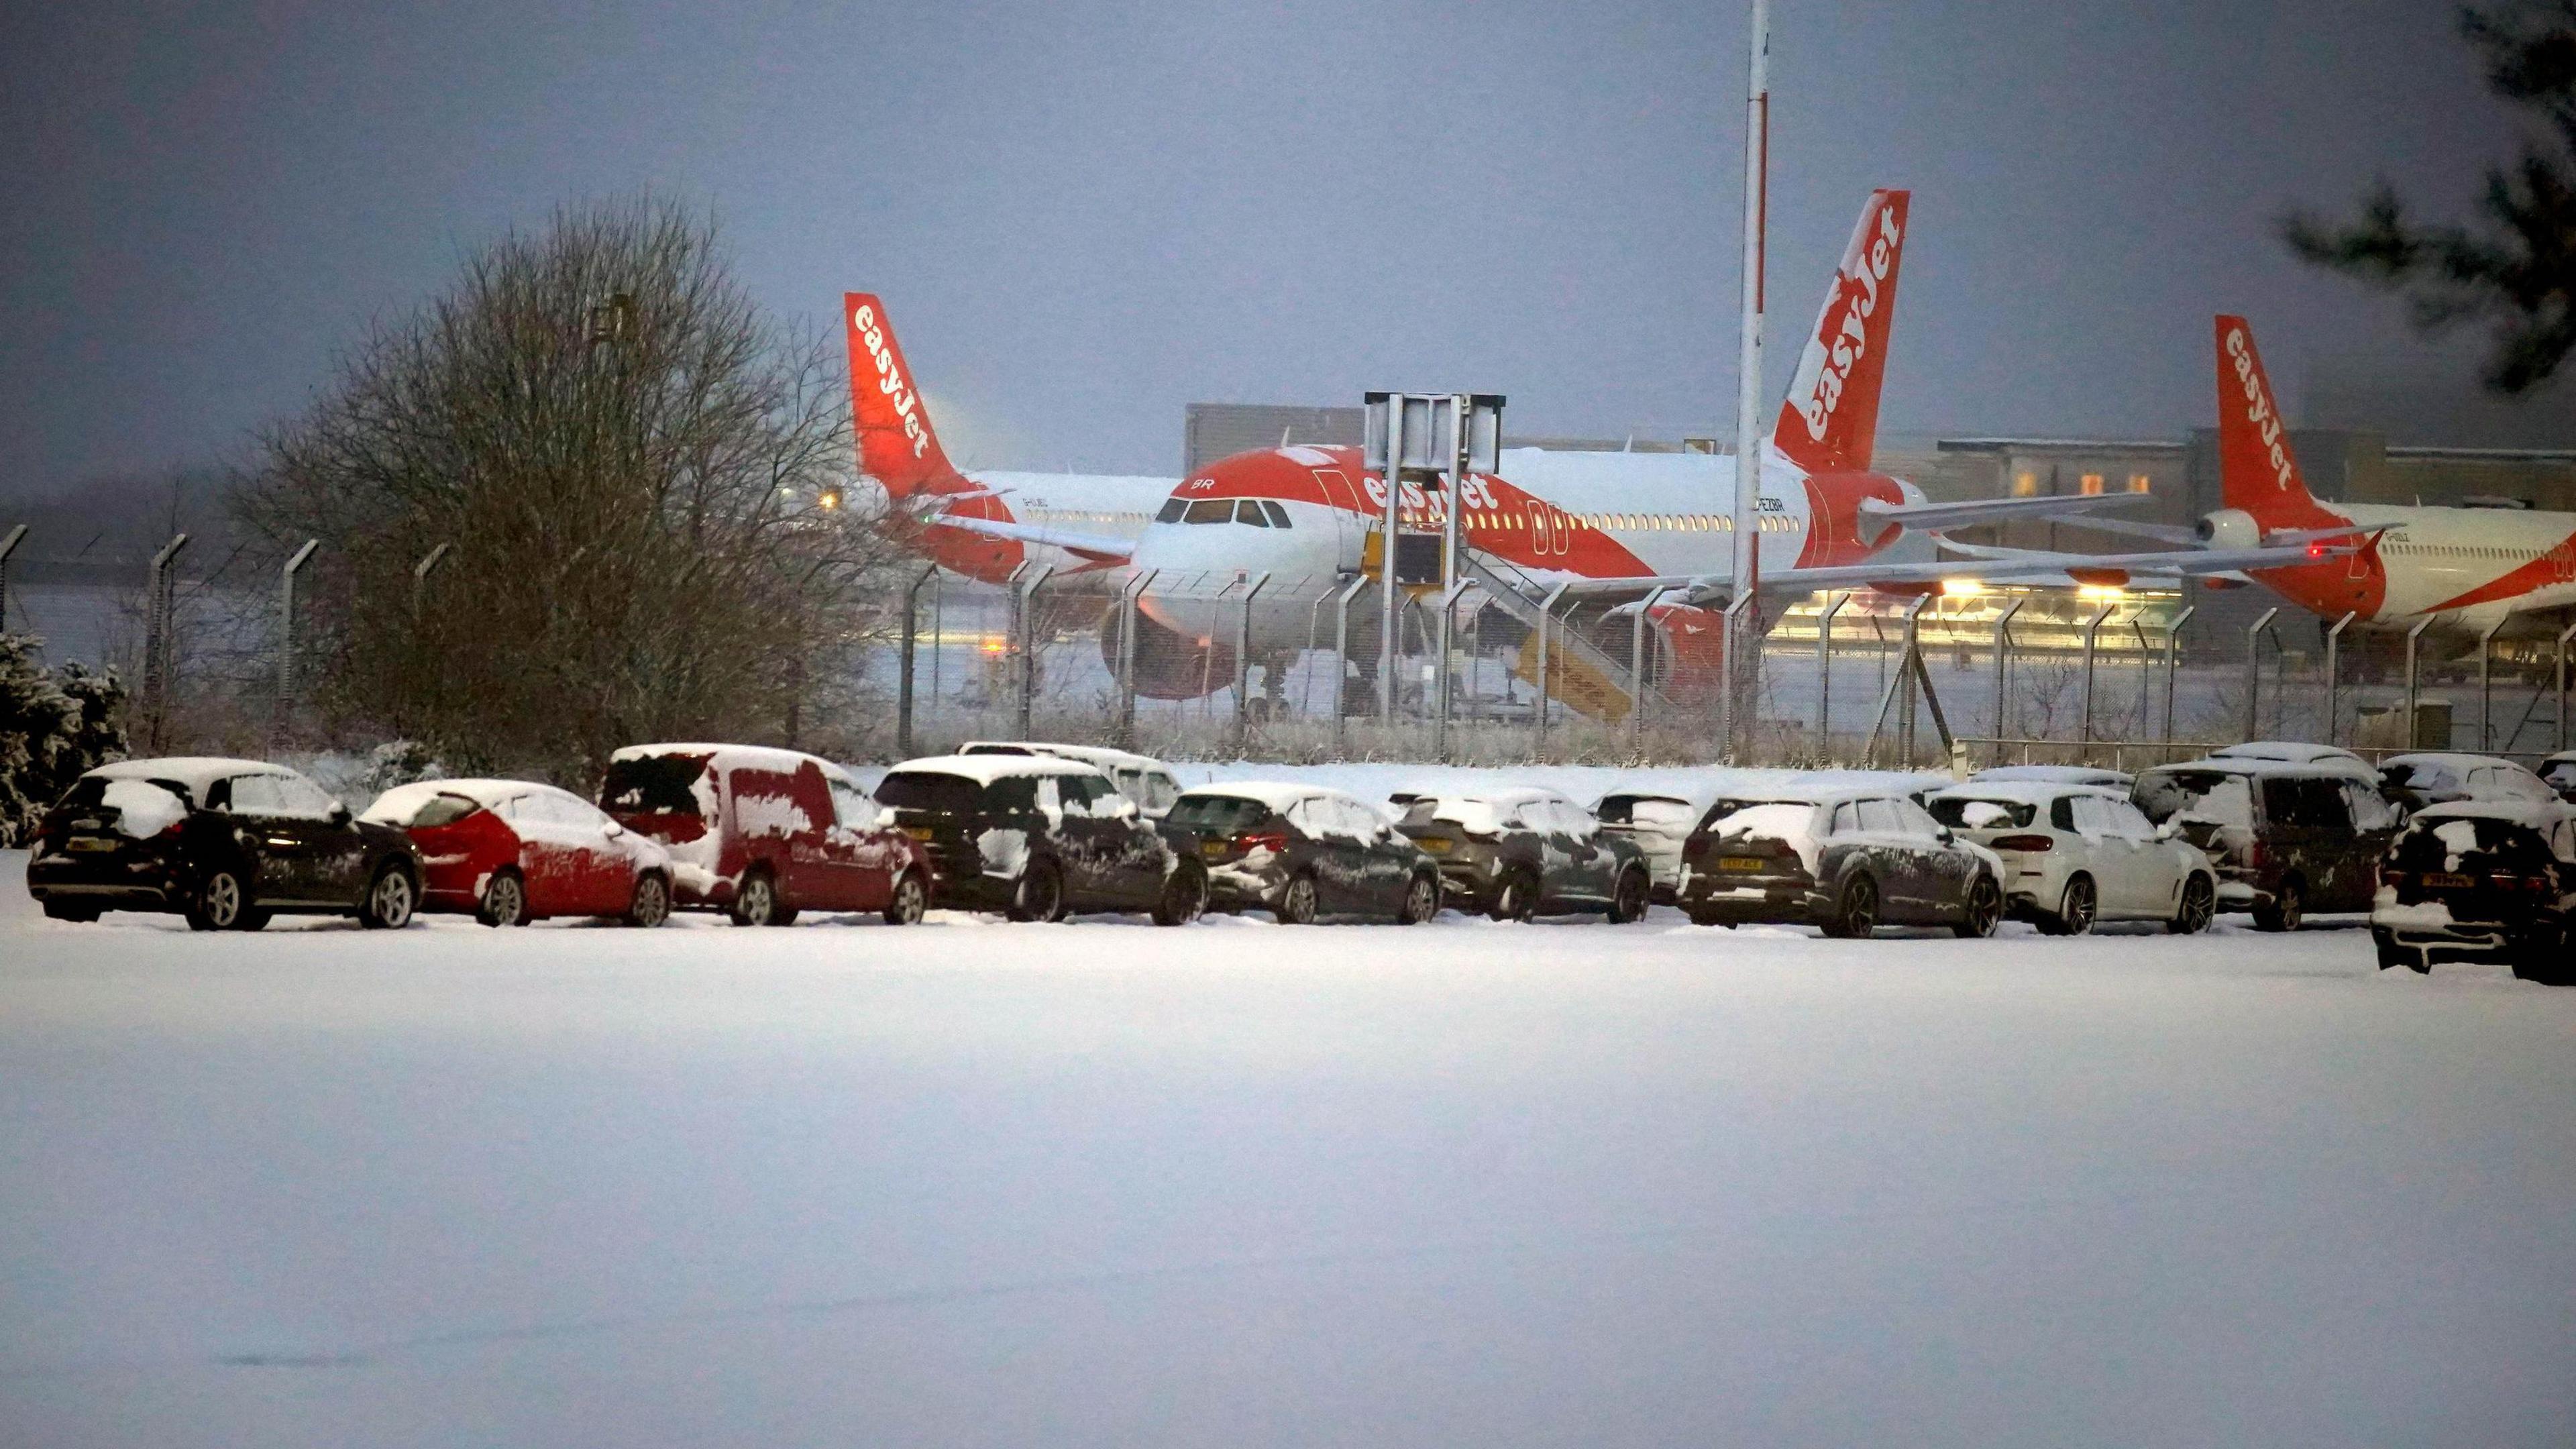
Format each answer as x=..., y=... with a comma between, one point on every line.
x=1102, y=1184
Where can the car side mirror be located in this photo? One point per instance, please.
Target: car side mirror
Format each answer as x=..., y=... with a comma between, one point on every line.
x=340, y=815
x=1947, y=835
x=1126, y=809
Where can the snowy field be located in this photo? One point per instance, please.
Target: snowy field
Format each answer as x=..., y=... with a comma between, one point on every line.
x=1102, y=1184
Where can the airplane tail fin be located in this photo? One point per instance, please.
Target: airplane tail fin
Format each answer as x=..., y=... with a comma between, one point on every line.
x=2256, y=471
x=1829, y=424
x=896, y=444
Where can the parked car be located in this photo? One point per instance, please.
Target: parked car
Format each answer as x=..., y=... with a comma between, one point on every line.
x=2292, y=752
x=2478, y=880
x=2558, y=771
x=2287, y=838
x=1845, y=860
x=2093, y=775
x=1518, y=852
x=511, y=851
x=1659, y=823
x=226, y=843
x=764, y=834
x=1141, y=778
x=2439, y=777
x=1302, y=852
x=1039, y=838
x=2076, y=855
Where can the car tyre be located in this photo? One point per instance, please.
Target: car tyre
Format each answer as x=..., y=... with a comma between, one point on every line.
x=755, y=901
x=1985, y=909
x=910, y=901
x=2286, y=909
x=1629, y=896
x=2076, y=910
x=1040, y=894
x=1515, y=896
x=1297, y=903
x=652, y=903
x=1185, y=896
x=1421, y=900
x=2199, y=906
x=505, y=900
x=1855, y=915
x=390, y=899
x=219, y=901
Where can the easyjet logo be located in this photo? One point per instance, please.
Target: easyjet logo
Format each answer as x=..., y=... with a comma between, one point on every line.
x=2258, y=407
x=890, y=378
x=1849, y=342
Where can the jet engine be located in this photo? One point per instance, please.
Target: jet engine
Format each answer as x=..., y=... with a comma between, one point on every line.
x=2229, y=528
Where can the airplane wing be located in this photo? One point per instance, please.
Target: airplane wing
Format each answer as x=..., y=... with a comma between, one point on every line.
x=1089, y=545
x=1968, y=513
x=1992, y=565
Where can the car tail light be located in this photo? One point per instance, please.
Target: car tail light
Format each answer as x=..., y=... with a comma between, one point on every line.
x=1270, y=840
x=1695, y=847
x=2254, y=853
x=2026, y=842
x=2392, y=878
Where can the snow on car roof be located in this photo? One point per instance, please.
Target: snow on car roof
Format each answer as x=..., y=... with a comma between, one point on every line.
x=1502, y=795
x=736, y=757
x=1817, y=793
x=2294, y=751
x=1087, y=754
x=2262, y=767
x=2461, y=760
x=194, y=771
x=985, y=769
x=1274, y=795
x=2052, y=775
x=401, y=803
x=2538, y=814
x=2024, y=792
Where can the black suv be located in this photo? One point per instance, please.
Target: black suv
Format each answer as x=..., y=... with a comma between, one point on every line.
x=1514, y=853
x=1039, y=839
x=2480, y=880
x=1301, y=852
x=2287, y=838
x=1846, y=863
x=226, y=843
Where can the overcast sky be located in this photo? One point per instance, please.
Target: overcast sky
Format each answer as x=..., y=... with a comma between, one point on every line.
x=1084, y=217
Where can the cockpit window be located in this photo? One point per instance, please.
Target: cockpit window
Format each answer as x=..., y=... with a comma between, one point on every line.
x=1211, y=510
x=1248, y=511
x=1278, y=515
x=1173, y=508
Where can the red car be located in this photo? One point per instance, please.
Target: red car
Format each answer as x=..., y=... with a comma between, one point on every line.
x=763, y=834
x=510, y=851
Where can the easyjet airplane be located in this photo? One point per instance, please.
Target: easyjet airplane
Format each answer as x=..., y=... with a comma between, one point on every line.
x=1607, y=525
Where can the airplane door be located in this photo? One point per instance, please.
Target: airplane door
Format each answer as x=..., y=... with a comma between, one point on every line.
x=1348, y=529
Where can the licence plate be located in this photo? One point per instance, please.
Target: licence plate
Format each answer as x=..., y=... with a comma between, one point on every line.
x=918, y=832
x=1742, y=862
x=90, y=843
x=1211, y=848
x=2441, y=879
x=1436, y=844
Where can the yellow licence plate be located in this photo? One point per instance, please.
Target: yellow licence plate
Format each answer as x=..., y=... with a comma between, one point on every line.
x=2438, y=878
x=1436, y=844
x=1211, y=848
x=918, y=832
x=1742, y=862
x=91, y=843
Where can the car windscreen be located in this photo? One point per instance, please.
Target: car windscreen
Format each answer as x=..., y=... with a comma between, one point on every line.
x=653, y=785
x=2216, y=796
x=1970, y=812
x=2470, y=844
x=1218, y=814
x=930, y=790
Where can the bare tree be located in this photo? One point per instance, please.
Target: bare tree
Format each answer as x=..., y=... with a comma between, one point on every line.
x=640, y=480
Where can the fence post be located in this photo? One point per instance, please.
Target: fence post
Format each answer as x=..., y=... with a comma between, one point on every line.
x=8, y=546
x=1825, y=676
x=911, y=646
x=2334, y=676
x=2173, y=662
x=1128, y=599
x=2413, y=637
x=1546, y=626
x=1342, y=657
x=2563, y=636
x=1637, y=670
x=2092, y=635
x=2486, y=685
x=420, y=573
x=160, y=652
x=1444, y=684
x=1243, y=667
x=1735, y=700
x=1907, y=668
x=286, y=639
x=2003, y=676
x=2254, y=672
x=1028, y=621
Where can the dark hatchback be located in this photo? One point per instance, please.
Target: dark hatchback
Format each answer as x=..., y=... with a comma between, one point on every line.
x=2480, y=881
x=1846, y=864
x=1520, y=852
x=1038, y=839
x=225, y=843
x=2287, y=838
x=1303, y=853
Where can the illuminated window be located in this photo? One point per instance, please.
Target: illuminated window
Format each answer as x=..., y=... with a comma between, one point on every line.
x=2092, y=487
x=2025, y=484
x=2137, y=482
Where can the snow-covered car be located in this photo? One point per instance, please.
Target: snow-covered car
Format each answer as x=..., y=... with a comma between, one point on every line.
x=1516, y=852
x=763, y=834
x=2075, y=855
x=2289, y=752
x=226, y=843
x=1141, y=778
x=1302, y=852
x=2476, y=880
x=2287, y=838
x=509, y=852
x=2437, y=777
x=1659, y=823
x=2558, y=771
x=1846, y=861
x=2094, y=775
x=1039, y=838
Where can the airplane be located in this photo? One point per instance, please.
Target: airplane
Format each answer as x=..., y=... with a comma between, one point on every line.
x=1612, y=528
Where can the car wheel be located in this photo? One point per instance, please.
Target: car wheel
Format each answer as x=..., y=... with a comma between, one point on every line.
x=2076, y=909
x=755, y=901
x=1855, y=915
x=1515, y=896
x=1421, y=900
x=2286, y=909
x=1185, y=894
x=1628, y=897
x=1040, y=896
x=1985, y=909
x=2199, y=904
x=1297, y=902
x=66, y=911
x=505, y=900
x=652, y=903
x=218, y=903
x=390, y=898
x=910, y=901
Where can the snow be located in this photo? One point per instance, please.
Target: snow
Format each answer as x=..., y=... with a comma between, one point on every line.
x=974, y=1184
x=403, y=803
x=143, y=808
x=1792, y=823
x=197, y=772
x=1097, y=756
x=1278, y=797
x=2538, y=815
x=2053, y=775
x=985, y=769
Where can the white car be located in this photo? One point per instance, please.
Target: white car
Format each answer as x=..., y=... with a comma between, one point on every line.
x=2074, y=855
x=2438, y=777
x=2559, y=773
x=1141, y=778
x=2098, y=778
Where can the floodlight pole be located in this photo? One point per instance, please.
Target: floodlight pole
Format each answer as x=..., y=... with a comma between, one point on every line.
x=1825, y=676
x=8, y=546
x=2254, y=672
x=1389, y=629
x=1744, y=658
x=2334, y=675
x=1452, y=496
